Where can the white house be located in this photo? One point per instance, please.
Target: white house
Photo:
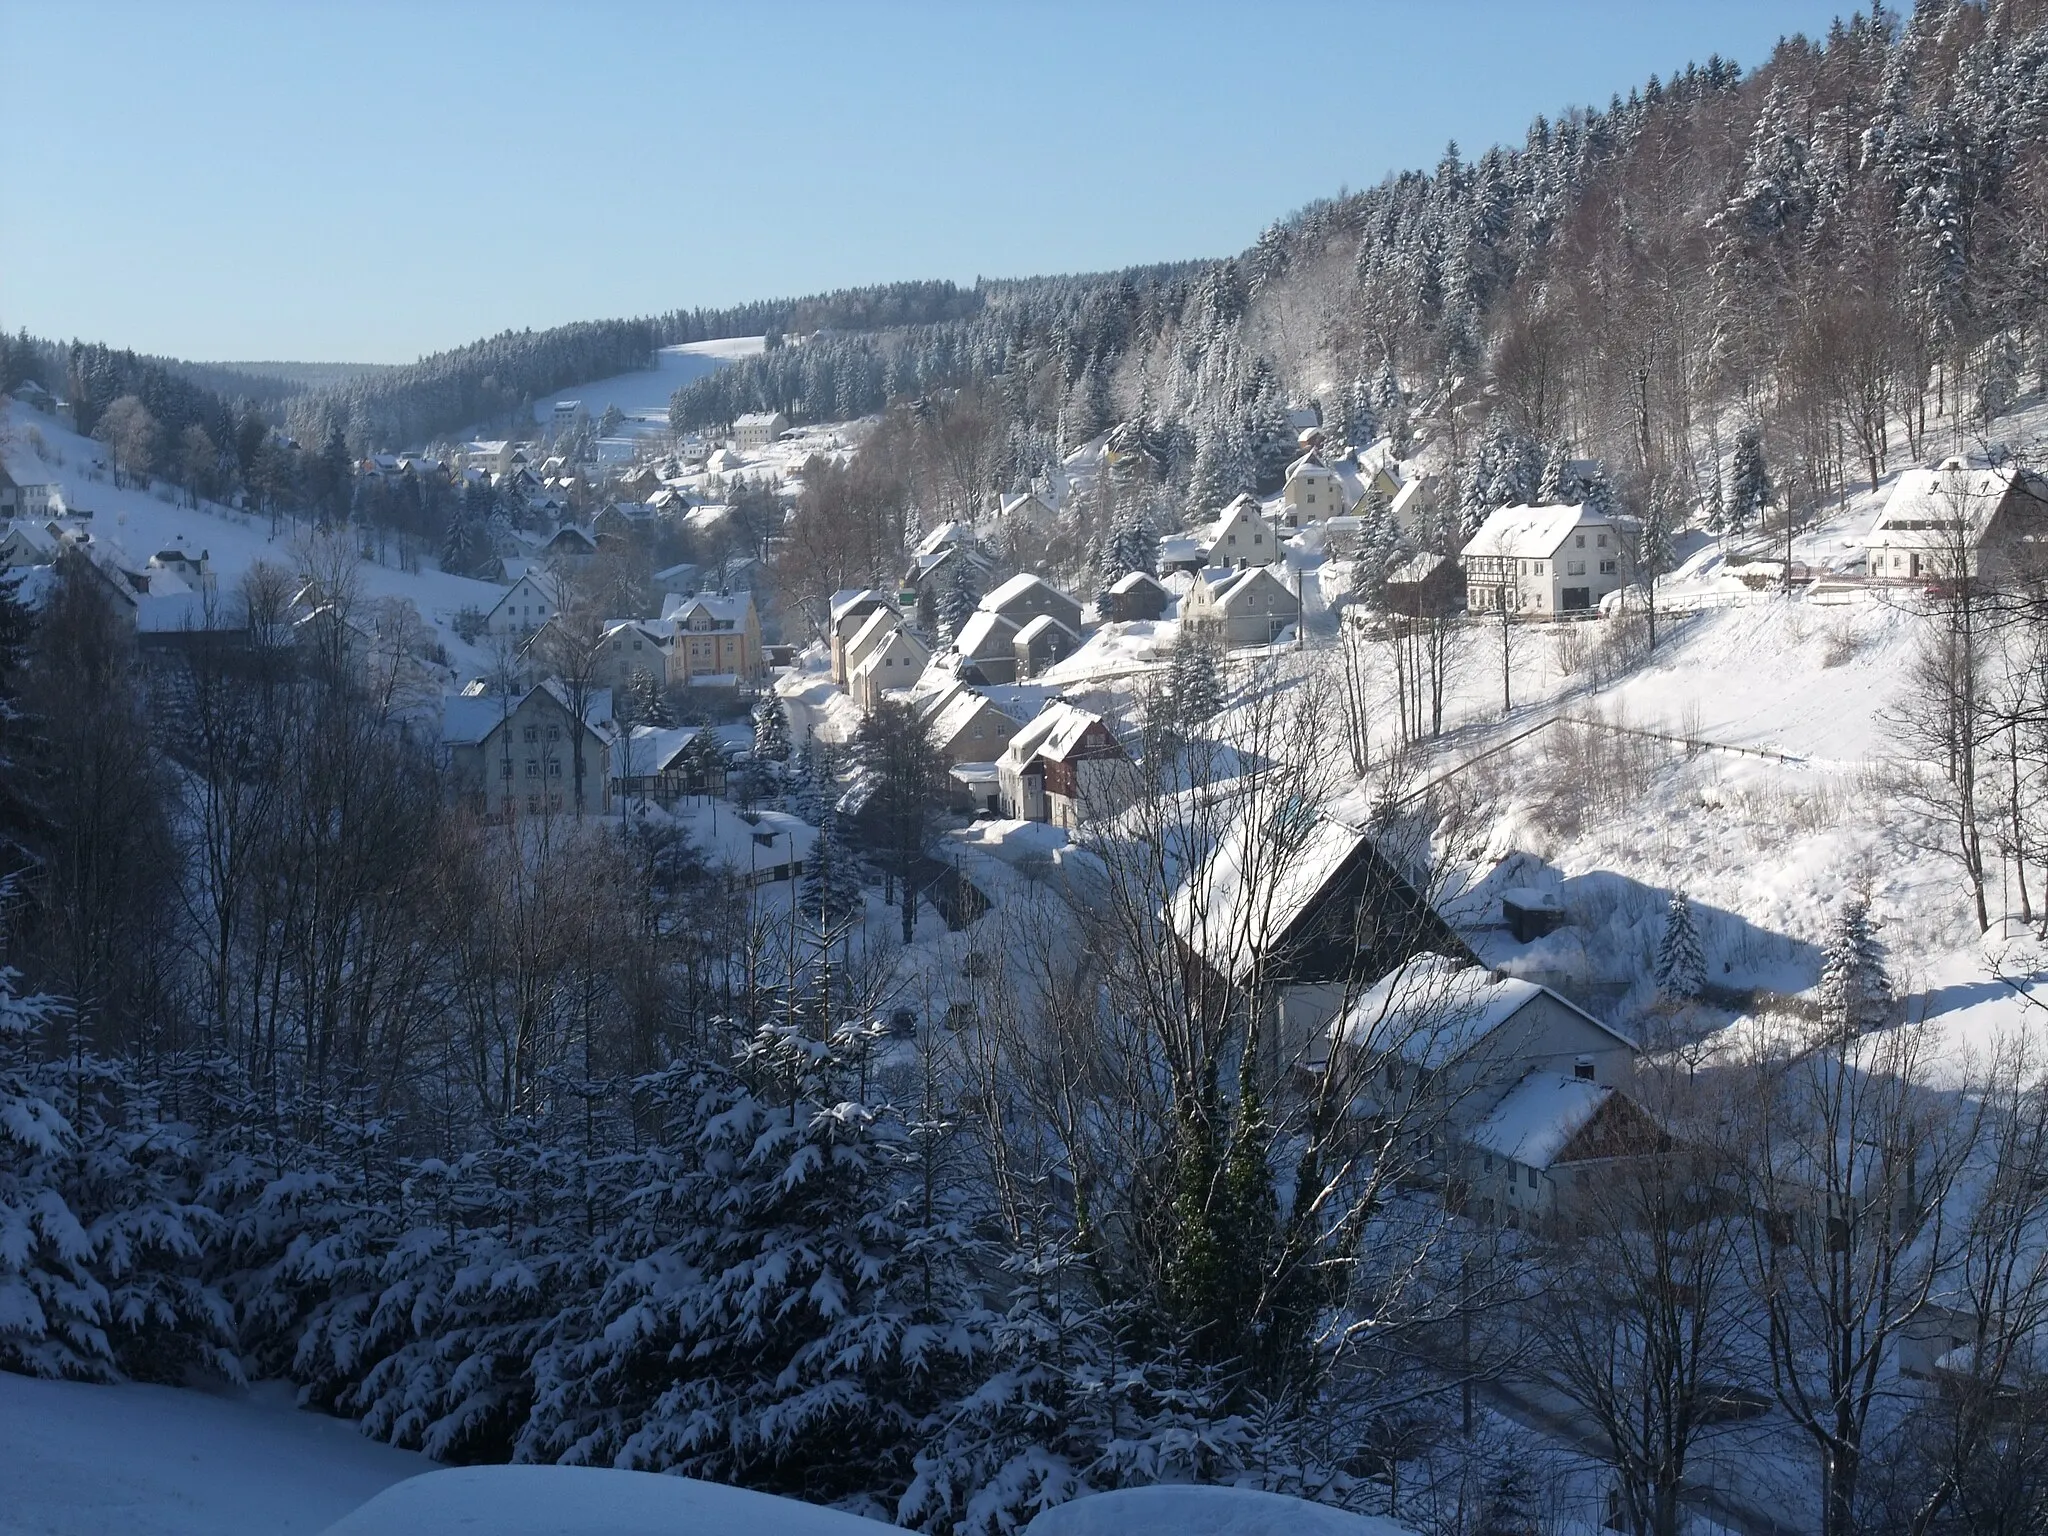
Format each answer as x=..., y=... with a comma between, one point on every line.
x=1241, y=532
x=531, y=601
x=1934, y=516
x=1463, y=1036
x=850, y=610
x=894, y=662
x=1240, y=607
x=1315, y=492
x=757, y=429
x=876, y=627
x=1544, y=560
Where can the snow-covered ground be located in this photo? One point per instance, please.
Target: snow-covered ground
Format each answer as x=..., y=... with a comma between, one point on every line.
x=643, y=395
x=79, y=1460
x=139, y=523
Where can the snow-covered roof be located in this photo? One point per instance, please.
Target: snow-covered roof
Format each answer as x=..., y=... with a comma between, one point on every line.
x=985, y=633
x=1018, y=586
x=1530, y=533
x=1925, y=505
x=942, y=537
x=758, y=418
x=959, y=711
x=721, y=607
x=1130, y=581
x=1416, y=569
x=1255, y=884
x=846, y=599
x=650, y=749
x=1038, y=626
x=733, y=839
x=1539, y=1116
x=1433, y=1009
x=468, y=718
x=1055, y=732
x=878, y=624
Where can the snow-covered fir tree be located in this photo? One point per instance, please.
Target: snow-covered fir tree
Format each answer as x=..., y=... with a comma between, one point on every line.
x=1681, y=969
x=771, y=729
x=1855, y=987
x=646, y=701
x=831, y=883
x=1749, y=481
x=1194, y=679
x=959, y=599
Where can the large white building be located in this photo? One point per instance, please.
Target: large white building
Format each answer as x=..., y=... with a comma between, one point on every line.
x=757, y=429
x=1544, y=560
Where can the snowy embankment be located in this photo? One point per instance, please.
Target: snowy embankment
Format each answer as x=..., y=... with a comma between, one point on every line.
x=158, y=1461
x=84, y=1460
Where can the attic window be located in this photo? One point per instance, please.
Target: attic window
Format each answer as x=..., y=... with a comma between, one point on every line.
x=1583, y=1071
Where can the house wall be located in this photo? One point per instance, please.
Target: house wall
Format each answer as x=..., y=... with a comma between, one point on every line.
x=521, y=611
x=527, y=765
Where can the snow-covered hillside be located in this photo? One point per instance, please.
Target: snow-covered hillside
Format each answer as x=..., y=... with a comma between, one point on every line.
x=138, y=523
x=643, y=396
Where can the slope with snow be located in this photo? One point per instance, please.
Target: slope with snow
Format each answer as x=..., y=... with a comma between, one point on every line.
x=78, y=1460
x=138, y=523
x=643, y=395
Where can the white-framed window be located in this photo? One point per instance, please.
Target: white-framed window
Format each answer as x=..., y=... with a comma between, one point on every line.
x=1607, y=568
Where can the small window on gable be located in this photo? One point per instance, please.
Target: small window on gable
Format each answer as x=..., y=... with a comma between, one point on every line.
x=1580, y=541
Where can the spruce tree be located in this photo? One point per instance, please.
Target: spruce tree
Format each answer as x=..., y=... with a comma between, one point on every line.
x=1855, y=988
x=832, y=885
x=1194, y=678
x=646, y=701
x=960, y=598
x=1681, y=964
x=771, y=730
x=1749, y=481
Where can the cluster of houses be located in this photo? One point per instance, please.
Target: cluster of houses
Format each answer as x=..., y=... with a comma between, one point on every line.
x=1511, y=1095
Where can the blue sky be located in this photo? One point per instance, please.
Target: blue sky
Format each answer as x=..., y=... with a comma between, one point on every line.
x=367, y=182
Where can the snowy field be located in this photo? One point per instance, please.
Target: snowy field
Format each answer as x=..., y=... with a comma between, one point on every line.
x=156, y=1461
x=642, y=396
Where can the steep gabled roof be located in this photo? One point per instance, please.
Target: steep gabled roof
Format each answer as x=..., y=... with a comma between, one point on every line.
x=984, y=634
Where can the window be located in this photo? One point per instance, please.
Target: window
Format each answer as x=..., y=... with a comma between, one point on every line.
x=533, y=803
x=533, y=767
x=1606, y=567
x=555, y=768
x=1583, y=1071
x=554, y=733
x=533, y=733
x=1233, y=538
x=1602, y=541
x=1579, y=541
x=1258, y=538
x=620, y=645
x=1531, y=1172
x=508, y=768
x=1575, y=568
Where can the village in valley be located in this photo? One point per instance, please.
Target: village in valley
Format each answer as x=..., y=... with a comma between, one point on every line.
x=1318, y=872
